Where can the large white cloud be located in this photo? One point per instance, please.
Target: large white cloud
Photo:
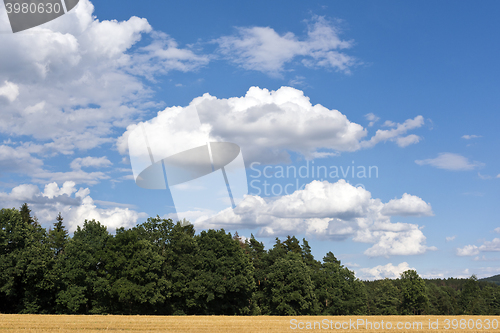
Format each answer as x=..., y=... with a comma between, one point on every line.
x=76, y=206
x=322, y=199
x=73, y=81
x=328, y=211
x=263, y=49
x=266, y=124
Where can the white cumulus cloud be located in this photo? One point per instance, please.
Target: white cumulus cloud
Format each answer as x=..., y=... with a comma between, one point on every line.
x=334, y=211
x=405, y=242
x=468, y=250
x=267, y=125
x=408, y=205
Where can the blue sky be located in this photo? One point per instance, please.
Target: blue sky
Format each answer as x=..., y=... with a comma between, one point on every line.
x=415, y=85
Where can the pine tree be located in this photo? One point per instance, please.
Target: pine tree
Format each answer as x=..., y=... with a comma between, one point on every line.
x=239, y=239
x=58, y=237
x=26, y=214
x=330, y=257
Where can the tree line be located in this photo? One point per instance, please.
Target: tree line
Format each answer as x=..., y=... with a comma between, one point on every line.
x=165, y=268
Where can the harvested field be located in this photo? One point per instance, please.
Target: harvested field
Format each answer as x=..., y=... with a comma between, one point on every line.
x=75, y=323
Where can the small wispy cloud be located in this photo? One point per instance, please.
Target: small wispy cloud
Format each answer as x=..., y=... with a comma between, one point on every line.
x=472, y=136
x=397, y=134
x=89, y=161
x=451, y=161
x=371, y=118
x=389, y=123
x=297, y=81
x=483, y=176
x=352, y=264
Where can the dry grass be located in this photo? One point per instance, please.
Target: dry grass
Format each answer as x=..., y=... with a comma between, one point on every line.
x=54, y=323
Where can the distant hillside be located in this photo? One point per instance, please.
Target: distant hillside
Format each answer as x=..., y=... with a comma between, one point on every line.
x=495, y=279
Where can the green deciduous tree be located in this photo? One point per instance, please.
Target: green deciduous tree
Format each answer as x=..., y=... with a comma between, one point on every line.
x=25, y=261
x=83, y=271
x=225, y=280
x=289, y=287
x=337, y=289
x=385, y=298
x=134, y=269
x=258, y=257
x=441, y=300
x=490, y=294
x=413, y=292
x=183, y=265
x=470, y=301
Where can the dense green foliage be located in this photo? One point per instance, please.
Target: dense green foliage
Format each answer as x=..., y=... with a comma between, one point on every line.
x=162, y=267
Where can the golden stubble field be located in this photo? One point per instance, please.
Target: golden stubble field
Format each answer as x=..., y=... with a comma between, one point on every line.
x=72, y=323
